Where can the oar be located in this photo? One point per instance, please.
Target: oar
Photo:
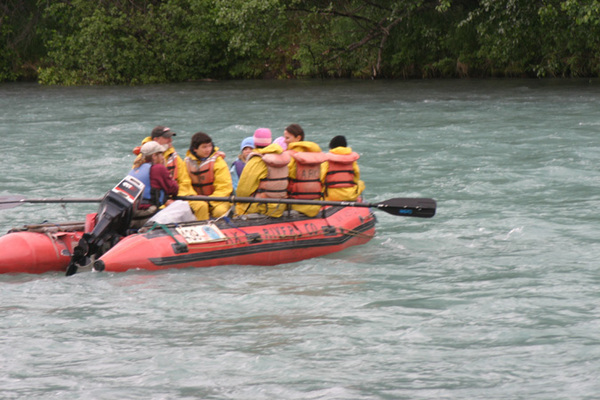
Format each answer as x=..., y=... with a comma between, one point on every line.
x=405, y=207
x=7, y=202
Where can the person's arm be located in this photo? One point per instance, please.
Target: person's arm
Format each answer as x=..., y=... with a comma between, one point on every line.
x=360, y=185
x=356, y=172
x=234, y=177
x=253, y=172
x=183, y=179
x=223, y=186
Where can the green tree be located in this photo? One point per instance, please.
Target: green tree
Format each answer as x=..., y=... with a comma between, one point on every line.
x=147, y=41
x=538, y=38
x=131, y=42
x=571, y=38
x=323, y=38
x=20, y=46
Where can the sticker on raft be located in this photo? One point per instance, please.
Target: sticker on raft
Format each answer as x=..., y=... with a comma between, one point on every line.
x=201, y=233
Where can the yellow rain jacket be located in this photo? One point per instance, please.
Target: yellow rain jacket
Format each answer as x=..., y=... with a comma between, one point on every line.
x=222, y=188
x=254, y=171
x=344, y=193
x=305, y=146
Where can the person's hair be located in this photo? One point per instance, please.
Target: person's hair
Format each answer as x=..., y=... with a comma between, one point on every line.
x=338, y=141
x=141, y=159
x=296, y=130
x=197, y=139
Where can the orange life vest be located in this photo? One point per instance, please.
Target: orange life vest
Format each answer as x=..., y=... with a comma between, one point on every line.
x=172, y=165
x=202, y=173
x=307, y=184
x=340, y=173
x=275, y=185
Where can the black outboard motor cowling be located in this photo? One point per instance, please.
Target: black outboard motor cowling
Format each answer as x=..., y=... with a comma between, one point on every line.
x=112, y=222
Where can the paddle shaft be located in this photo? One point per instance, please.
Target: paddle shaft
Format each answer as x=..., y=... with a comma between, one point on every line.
x=234, y=199
x=60, y=200
x=7, y=202
x=407, y=207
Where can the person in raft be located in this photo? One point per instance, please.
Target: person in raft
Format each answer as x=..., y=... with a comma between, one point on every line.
x=342, y=175
x=293, y=133
x=164, y=136
x=150, y=168
x=238, y=165
x=264, y=176
x=210, y=176
x=306, y=170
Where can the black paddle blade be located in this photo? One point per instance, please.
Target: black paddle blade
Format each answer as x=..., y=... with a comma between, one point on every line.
x=409, y=207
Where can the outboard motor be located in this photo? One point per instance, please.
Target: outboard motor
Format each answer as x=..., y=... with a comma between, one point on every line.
x=112, y=222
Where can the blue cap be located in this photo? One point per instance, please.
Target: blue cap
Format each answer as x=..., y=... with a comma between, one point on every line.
x=248, y=142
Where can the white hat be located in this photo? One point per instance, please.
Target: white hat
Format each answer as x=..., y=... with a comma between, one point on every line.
x=152, y=147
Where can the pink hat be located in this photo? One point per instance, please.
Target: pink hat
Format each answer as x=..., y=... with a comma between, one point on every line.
x=281, y=141
x=262, y=137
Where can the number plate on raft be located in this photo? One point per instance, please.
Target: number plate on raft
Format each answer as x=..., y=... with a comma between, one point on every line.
x=201, y=233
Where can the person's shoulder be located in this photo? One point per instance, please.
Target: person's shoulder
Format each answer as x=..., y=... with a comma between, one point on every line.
x=221, y=162
x=341, y=150
x=273, y=148
x=255, y=163
x=305, y=146
x=159, y=168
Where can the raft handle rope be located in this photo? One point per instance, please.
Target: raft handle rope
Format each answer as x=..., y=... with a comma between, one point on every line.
x=352, y=232
x=53, y=239
x=178, y=247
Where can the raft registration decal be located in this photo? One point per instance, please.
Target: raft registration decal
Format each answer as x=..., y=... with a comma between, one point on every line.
x=201, y=233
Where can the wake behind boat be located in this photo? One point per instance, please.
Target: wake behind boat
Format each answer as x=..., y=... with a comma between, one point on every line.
x=105, y=243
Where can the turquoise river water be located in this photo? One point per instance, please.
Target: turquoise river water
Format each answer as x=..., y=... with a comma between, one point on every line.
x=496, y=297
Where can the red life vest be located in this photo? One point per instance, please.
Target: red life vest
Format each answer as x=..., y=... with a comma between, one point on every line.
x=307, y=184
x=202, y=173
x=340, y=173
x=275, y=185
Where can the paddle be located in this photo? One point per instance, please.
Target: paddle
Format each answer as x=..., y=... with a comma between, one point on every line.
x=405, y=207
x=7, y=202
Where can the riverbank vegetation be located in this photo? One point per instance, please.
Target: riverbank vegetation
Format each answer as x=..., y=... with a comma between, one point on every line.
x=73, y=42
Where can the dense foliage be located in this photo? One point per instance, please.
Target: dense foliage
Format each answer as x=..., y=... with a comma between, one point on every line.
x=146, y=41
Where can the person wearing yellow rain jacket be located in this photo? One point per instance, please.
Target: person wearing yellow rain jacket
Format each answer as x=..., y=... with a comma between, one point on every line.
x=306, y=170
x=175, y=165
x=209, y=174
x=264, y=176
x=342, y=175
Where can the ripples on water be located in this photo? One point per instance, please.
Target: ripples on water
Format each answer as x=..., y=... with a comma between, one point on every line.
x=495, y=297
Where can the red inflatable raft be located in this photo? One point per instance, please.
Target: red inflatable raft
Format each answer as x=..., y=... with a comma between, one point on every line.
x=36, y=249
x=261, y=241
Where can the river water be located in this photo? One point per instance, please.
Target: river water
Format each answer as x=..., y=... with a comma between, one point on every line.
x=496, y=297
